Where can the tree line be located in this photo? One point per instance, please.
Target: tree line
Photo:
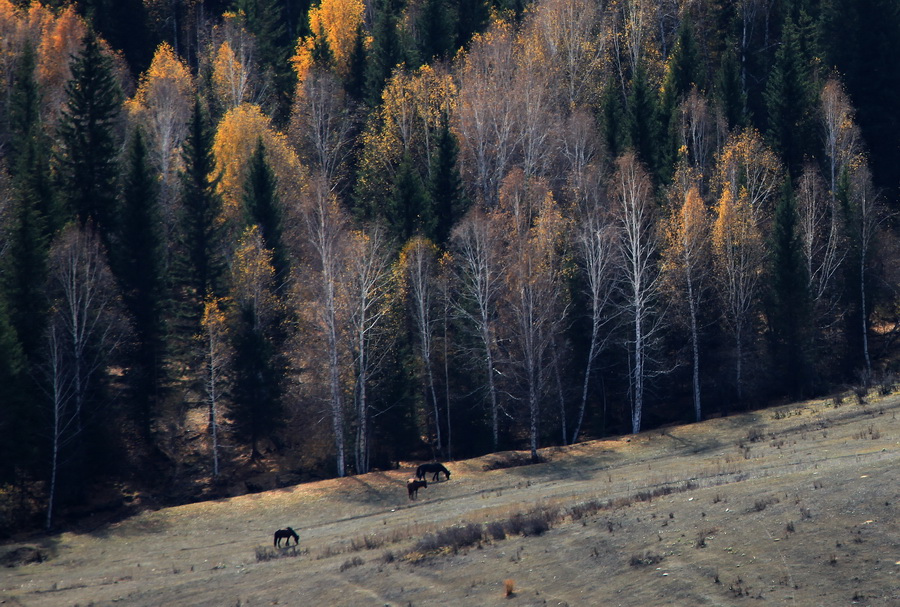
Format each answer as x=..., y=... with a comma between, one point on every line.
x=322, y=238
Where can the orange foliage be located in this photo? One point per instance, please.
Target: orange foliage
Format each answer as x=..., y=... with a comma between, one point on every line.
x=236, y=139
x=338, y=21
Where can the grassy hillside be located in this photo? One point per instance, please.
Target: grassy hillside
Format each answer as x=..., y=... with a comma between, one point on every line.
x=795, y=505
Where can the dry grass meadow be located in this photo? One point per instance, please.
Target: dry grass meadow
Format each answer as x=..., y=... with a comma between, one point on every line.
x=796, y=505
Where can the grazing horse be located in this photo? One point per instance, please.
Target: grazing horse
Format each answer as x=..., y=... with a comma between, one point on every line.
x=412, y=486
x=286, y=534
x=437, y=468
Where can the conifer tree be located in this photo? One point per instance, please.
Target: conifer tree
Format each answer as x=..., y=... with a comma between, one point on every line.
x=256, y=332
x=89, y=156
x=265, y=20
x=385, y=52
x=446, y=188
x=263, y=208
x=791, y=98
x=28, y=233
x=409, y=211
x=201, y=267
x=788, y=298
x=141, y=276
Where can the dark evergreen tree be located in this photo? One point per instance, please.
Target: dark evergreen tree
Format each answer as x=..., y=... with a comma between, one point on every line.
x=140, y=270
x=860, y=39
x=642, y=120
x=355, y=82
x=256, y=385
x=683, y=72
x=437, y=31
x=791, y=98
x=385, y=52
x=612, y=119
x=122, y=23
x=88, y=161
x=472, y=18
x=200, y=264
x=17, y=421
x=265, y=20
x=24, y=266
x=409, y=211
x=789, y=301
x=729, y=92
x=446, y=188
x=262, y=207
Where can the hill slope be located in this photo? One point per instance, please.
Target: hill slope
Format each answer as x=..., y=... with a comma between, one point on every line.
x=795, y=505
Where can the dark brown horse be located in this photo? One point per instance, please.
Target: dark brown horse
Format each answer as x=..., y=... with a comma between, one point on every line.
x=412, y=486
x=286, y=534
x=437, y=468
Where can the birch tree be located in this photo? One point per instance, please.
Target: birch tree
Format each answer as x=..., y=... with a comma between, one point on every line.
x=87, y=328
x=747, y=175
x=216, y=354
x=688, y=264
x=368, y=281
x=480, y=271
x=595, y=243
x=534, y=292
x=638, y=246
x=326, y=233
x=418, y=260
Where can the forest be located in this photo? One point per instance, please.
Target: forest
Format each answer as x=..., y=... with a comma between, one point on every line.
x=316, y=238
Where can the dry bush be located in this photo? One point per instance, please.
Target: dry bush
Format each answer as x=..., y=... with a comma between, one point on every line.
x=645, y=559
x=264, y=553
x=354, y=562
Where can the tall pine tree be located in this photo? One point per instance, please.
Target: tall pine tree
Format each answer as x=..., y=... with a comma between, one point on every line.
x=140, y=272
x=262, y=207
x=88, y=161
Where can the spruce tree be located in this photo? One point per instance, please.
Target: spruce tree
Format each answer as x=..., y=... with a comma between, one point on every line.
x=729, y=92
x=200, y=264
x=437, y=31
x=473, y=17
x=140, y=271
x=88, y=161
x=385, y=52
x=791, y=99
x=265, y=20
x=642, y=120
x=409, y=211
x=262, y=207
x=446, y=189
x=33, y=210
x=789, y=303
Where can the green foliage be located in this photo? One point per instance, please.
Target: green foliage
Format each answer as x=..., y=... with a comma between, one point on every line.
x=256, y=390
x=385, y=52
x=140, y=269
x=446, y=189
x=791, y=96
x=409, y=210
x=262, y=207
x=789, y=301
x=88, y=161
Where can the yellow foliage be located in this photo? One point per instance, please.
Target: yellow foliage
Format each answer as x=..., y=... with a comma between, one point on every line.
x=61, y=40
x=236, y=139
x=253, y=272
x=230, y=77
x=338, y=21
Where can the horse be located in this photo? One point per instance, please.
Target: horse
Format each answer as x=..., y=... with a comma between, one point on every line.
x=286, y=534
x=435, y=467
x=413, y=485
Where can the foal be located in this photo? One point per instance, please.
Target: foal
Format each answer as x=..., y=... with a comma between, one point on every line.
x=412, y=487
